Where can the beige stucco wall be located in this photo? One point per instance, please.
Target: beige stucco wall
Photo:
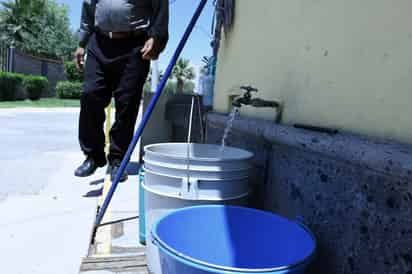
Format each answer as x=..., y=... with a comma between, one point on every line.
x=338, y=63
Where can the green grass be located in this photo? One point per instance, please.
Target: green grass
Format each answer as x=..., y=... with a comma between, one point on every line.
x=42, y=103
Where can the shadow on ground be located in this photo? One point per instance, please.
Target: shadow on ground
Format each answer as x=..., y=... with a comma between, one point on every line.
x=97, y=182
x=133, y=168
x=94, y=193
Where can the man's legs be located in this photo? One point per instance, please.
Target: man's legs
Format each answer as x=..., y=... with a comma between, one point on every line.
x=127, y=96
x=94, y=99
x=112, y=65
x=127, y=100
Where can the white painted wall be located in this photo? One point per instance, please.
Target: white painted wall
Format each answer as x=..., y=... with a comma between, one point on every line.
x=343, y=64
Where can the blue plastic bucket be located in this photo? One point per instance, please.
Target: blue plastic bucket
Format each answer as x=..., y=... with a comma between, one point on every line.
x=228, y=239
x=142, y=217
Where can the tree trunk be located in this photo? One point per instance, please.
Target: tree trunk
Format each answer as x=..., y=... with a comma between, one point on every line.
x=179, y=86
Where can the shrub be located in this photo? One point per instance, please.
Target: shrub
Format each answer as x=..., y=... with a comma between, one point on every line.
x=69, y=89
x=72, y=73
x=35, y=85
x=10, y=85
x=170, y=87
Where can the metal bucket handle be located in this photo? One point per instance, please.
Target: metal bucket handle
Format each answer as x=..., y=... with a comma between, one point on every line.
x=190, y=188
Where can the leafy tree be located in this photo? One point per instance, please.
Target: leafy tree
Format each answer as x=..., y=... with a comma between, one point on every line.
x=149, y=77
x=182, y=72
x=56, y=40
x=172, y=86
x=18, y=19
x=189, y=86
x=38, y=27
x=168, y=89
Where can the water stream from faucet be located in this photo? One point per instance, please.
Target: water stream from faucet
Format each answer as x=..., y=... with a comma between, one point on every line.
x=228, y=128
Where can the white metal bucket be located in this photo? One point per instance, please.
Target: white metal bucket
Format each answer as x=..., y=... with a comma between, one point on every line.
x=173, y=181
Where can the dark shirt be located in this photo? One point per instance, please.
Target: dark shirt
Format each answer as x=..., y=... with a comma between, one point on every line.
x=150, y=16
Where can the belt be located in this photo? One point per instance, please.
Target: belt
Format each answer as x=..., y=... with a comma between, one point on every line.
x=121, y=35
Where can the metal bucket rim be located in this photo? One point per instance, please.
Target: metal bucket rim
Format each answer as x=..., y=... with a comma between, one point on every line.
x=248, y=155
x=169, y=165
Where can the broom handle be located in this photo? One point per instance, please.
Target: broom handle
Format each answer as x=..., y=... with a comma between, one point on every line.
x=148, y=112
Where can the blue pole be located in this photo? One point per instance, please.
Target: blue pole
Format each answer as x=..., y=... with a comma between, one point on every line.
x=147, y=113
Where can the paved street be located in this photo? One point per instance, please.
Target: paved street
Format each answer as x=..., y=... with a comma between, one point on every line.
x=45, y=220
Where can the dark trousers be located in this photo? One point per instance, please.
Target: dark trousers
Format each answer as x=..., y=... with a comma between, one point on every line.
x=114, y=68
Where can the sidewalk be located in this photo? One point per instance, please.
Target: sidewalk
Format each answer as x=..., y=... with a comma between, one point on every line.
x=117, y=247
x=49, y=232
x=47, y=214
x=45, y=221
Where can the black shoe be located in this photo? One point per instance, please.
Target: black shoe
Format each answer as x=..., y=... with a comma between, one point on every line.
x=88, y=167
x=113, y=168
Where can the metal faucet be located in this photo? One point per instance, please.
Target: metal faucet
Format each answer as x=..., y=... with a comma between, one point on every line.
x=247, y=100
x=260, y=103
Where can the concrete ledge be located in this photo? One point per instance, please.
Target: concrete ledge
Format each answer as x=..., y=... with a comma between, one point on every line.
x=389, y=158
x=354, y=193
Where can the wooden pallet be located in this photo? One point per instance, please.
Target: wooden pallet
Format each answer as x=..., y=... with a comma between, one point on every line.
x=131, y=264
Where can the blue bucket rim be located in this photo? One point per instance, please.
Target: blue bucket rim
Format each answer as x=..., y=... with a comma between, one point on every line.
x=200, y=264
